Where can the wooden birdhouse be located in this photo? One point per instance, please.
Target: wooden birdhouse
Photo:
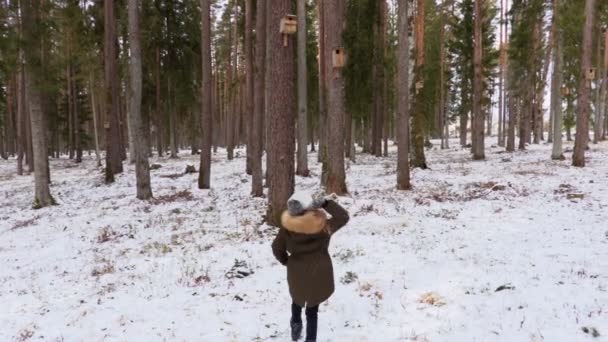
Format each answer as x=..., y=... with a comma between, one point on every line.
x=289, y=24
x=339, y=58
x=590, y=74
x=565, y=91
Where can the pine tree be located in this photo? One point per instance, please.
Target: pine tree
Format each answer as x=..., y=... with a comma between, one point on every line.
x=302, y=160
x=280, y=76
x=204, y=178
x=403, y=118
x=335, y=16
x=583, y=106
x=33, y=31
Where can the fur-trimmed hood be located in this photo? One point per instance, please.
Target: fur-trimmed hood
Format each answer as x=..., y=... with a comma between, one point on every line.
x=311, y=222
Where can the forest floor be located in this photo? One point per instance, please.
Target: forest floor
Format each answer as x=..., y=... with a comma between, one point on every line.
x=514, y=248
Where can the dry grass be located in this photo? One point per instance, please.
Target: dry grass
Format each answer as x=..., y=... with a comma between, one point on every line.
x=24, y=223
x=184, y=195
x=106, y=267
x=431, y=298
x=106, y=234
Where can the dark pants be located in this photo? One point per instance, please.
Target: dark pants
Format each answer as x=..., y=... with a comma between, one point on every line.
x=311, y=319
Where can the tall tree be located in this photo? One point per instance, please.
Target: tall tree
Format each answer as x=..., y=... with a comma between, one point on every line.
x=302, y=162
x=403, y=115
x=583, y=105
x=501, y=79
x=281, y=108
x=33, y=32
x=204, y=177
x=556, y=85
x=142, y=168
x=378, y=76
x=335, y=15
x=478, y=115
x=418, y=115
x=249, y=90
x=259, y=100
x=113, y=134
x=603, y=90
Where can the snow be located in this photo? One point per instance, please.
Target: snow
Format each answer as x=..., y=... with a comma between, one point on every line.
x=422, y=265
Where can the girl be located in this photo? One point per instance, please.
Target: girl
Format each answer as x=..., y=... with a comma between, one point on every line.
x=302, y=245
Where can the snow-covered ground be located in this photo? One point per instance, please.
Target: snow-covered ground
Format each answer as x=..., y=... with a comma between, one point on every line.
x=511, y=249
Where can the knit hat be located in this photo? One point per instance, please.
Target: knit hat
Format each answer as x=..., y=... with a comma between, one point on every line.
x=299, y=203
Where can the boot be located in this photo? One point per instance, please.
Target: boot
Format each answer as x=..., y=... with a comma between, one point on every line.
x=296, y=322
x=296, y=330
x=311, y=323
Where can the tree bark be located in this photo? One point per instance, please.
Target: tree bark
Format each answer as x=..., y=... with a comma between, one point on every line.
x=19, y=137
x=322, y=90
x=378, y=79
x=501, y=77
x=418, y=157
x=77, y=124
x=159, y=110
x=32, y=26
x=582, y=103
x=113, y=134
x=512, y=115
x=204, y=176
x=281, y=108
x=302, y=162
x=249, y=80
x=556, y=84
x=171, y=112
x=602, y=80
x=95, y=125
x=335, y=15
x=233, y=86
x=441, y=115
x=142, y=168
x=257, y=183
x=478, y=115
x=403, y=115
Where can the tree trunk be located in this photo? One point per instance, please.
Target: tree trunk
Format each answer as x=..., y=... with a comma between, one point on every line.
x=233, y=86
x=464, y=122
x=602, y=80
x=322, y=88
x=281, y=108
x=378, y=79
x=582, y=103
x=478, y=115
x=20, y=118
x=249, y=79
x=302, y=162
x=418, y=119
x=94, y=113
x=335, y=12
x=441, y=115
x=204, y=176
x=501, y=77
x=113, y=134
x=171, y=112
x=70, y=118
x=33, y=71
x=142, y=168
x=511, y=128
x=257, y=183
x=403, y=115
x=556, y=84
x=159, y=110
x=76, y=113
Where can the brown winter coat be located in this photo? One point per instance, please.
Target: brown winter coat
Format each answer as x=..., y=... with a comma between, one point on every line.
x=302, y=245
